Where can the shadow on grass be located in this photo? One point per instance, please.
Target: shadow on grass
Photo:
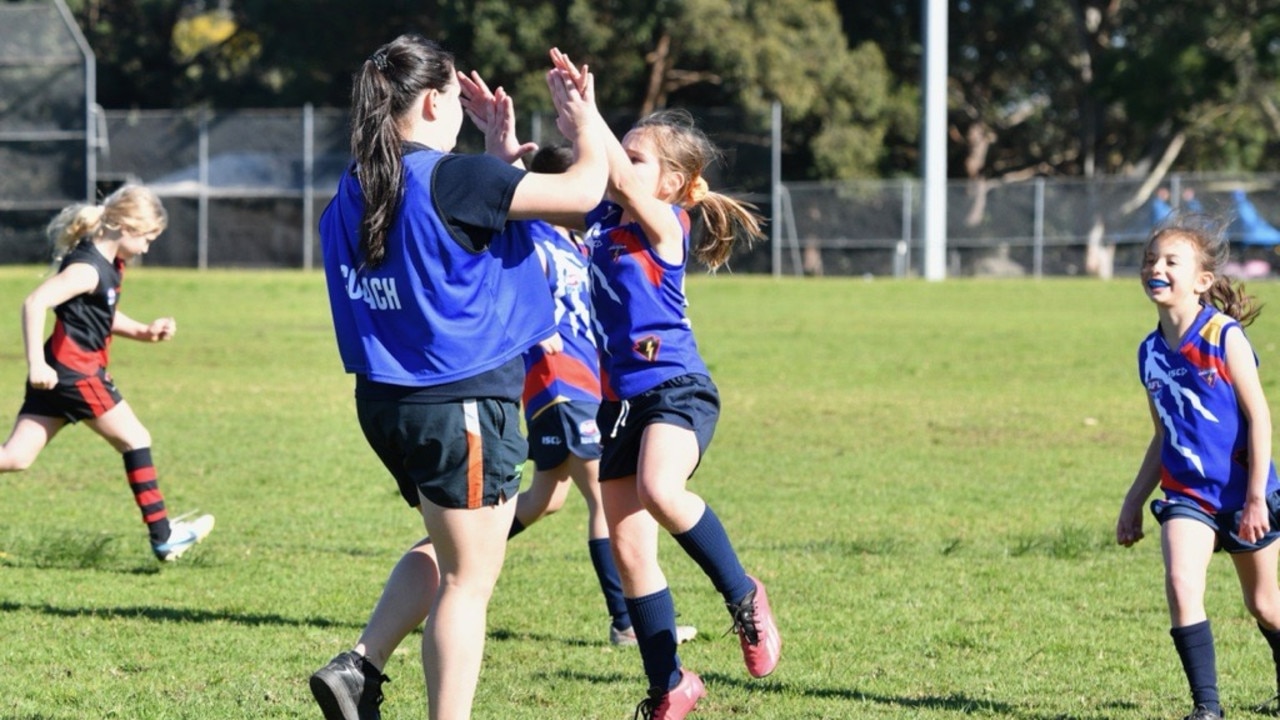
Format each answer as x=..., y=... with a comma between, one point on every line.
x=503, y=635
x=182, y=615
x=959, y=703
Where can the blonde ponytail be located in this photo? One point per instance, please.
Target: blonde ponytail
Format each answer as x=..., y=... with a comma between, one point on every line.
x=74, y=223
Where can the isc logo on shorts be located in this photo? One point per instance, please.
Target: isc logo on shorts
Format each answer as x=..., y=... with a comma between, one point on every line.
x=550, y=440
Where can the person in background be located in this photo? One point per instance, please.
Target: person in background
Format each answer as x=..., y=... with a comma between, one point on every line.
x=67, y=378
x=1210, y=451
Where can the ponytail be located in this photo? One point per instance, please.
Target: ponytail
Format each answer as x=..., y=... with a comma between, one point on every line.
x=725, y=220
x=385, y=88
x=72, y=224
x=1231, y=299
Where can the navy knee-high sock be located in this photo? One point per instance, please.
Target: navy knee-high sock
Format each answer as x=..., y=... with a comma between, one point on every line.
x=610, y=582
x=1273, y=639
x=654, y=619
x=146, y=493
x=708, y=544
x=1195, y=648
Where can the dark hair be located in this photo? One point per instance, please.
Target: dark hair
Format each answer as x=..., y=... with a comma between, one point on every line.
x=551, y=159
x=385, y=88
x=685, y=149
x=1213, y=250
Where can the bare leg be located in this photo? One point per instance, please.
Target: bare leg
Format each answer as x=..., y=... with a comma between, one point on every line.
x=586, y=475
x=634, y=534
x=30, y=434
x=668, y=454
x=545, y=496
x=406, y=599
x=121, y=427
x=1257, y=573
x=470, y=546
x=1188, y=547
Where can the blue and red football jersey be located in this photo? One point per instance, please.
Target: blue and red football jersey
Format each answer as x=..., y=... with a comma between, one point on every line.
x=639, y=301
x=1206, y=437
x=572, y=375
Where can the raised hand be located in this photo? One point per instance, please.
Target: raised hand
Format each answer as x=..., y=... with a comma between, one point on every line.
x=493, y=113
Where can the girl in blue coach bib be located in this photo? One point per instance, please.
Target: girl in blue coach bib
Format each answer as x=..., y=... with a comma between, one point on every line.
x=433, y=312
x=1211, y=448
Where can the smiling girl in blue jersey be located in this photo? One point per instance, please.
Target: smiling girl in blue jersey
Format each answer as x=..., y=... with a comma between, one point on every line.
x=1211, y=448
x=433, y=321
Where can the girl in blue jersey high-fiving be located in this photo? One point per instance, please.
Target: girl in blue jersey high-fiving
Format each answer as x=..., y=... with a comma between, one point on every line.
x=1211, y=449
x=660, y=406
x=432, y=315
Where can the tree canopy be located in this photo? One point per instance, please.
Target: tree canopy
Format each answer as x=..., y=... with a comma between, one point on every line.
x=1036, y=87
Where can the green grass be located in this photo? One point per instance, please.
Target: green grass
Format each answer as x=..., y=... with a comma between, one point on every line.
x=926, y=475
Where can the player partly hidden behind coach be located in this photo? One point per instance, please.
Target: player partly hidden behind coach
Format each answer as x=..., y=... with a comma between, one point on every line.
x=67, y=378
x=1211, y=448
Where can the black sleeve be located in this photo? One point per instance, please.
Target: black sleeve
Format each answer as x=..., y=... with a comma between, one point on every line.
x=473, y=194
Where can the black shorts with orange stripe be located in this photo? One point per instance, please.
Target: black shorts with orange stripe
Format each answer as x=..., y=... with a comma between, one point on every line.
x=460, y=454
x=76, y=397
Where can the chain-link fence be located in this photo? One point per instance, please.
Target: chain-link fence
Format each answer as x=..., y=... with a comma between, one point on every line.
x=47, y=121
x=1037, y=227
x=245, y=188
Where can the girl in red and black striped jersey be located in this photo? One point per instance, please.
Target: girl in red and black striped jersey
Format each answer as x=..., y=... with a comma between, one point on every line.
x=67, y=378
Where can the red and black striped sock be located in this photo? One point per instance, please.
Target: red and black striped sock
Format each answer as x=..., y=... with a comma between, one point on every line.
x=146, y=492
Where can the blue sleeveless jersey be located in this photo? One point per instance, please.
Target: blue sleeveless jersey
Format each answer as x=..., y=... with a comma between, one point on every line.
x=434, y=311
x=1206, y=437
x=572, y=375
x=639, y=302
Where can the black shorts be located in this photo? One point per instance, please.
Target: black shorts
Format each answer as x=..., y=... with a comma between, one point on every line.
x=1225, y=525
x=464, y=454
x=561, y=429
x=75, y=397
x=688, y=401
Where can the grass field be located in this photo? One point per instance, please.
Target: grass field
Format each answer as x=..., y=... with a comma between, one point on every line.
x=925, y=475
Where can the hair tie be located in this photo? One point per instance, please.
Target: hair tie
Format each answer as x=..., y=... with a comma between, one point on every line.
x=379, y=59
x=697, y=190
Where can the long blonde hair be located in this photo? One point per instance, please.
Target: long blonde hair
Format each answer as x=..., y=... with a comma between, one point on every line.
x=131, y=208
x=682, y=147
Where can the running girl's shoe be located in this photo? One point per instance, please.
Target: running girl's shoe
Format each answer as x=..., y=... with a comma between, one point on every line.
x=626, y=637
x=183, y=535
x=757, y=632
x=675, y=703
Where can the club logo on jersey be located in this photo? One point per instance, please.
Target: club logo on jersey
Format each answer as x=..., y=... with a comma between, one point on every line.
x=647, y=347
x=1210, y=376
x=112, y=296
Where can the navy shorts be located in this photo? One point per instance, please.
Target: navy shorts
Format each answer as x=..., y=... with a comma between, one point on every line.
x=1224, y=524
x=561, y=429
x=75, y=397
x=464, y=454
x=688, y=401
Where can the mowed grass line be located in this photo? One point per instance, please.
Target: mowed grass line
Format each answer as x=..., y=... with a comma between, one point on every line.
x=925, y=474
